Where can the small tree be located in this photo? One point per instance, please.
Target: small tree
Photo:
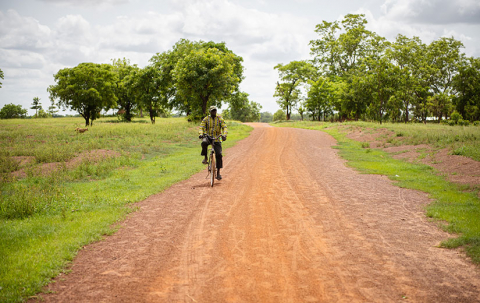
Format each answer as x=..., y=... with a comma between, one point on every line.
x=10, y=111
x=279, y=115
x=36, y=105
x=292, y=75
x=52, y=109
x=1, y=76
x=242, y=109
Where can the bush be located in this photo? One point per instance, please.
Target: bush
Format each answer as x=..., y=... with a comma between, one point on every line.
x=463, y=122
x=456, y=116
x=279, y=115
x=476, y=123
x=451, y=122
x=11, y=111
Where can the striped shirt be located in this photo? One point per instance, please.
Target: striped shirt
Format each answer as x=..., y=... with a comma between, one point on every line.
x=213, y=127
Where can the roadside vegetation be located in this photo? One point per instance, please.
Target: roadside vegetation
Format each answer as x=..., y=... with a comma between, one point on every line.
x=356, y=74
x=75, y=186
x=456, y=208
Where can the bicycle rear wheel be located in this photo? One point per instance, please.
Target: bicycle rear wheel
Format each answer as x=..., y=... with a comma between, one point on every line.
x=213, y=170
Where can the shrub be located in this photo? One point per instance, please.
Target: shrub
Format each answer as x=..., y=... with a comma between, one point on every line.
x=463, y=122
x=451, y=123
x=10, y=111
x=476, y=123
x=456, y=116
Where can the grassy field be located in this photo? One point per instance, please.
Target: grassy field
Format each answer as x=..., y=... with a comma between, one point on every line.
x=457, y=211
x=48, y=215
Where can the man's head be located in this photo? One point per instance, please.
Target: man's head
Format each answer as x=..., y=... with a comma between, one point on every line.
x=213, y=111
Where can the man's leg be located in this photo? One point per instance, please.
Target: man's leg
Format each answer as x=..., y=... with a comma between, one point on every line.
x=219, y=157
x=204, y=150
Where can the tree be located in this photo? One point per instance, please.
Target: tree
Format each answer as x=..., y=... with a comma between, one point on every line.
x=124, y=86
x=36, y=105
x=208, y=74
x=242, y=109
x=10, y=111
x=443, y=56
x=381, y=79
x=342, y=44
x=1, y=76
x=87, y=88
x=321, y=98
x=440, y=105
x=52, y=109
x=292, y=75
x=466, y=85
x=279, y=115
x=43, y=114
x=266, y=117
x=147, y=92
x=406, y=55
x=340, y=51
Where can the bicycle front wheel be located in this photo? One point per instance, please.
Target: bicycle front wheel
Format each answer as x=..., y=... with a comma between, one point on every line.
x=213, y=171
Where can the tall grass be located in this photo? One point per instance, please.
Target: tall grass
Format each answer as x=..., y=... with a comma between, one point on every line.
x=46, y=218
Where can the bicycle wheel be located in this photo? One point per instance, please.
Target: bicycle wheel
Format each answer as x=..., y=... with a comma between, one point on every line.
x=213, y=169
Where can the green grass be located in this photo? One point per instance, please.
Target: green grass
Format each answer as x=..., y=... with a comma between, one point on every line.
x=45, y=220
x=457, y=211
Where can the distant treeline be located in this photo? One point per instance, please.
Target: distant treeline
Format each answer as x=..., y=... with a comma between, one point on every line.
x=188, y=79
x=357, y=74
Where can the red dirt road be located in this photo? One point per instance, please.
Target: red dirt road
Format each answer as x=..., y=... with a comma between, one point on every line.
x=288, y=223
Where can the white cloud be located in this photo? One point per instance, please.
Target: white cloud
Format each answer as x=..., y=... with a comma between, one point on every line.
x=87, y=3
x=433, y=11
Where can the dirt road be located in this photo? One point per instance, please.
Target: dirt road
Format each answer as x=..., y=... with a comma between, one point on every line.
x=288, y=223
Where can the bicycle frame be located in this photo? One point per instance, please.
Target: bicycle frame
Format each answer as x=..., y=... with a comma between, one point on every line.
x=211, y=169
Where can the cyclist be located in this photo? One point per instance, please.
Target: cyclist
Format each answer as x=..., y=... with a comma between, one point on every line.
x=213, y=126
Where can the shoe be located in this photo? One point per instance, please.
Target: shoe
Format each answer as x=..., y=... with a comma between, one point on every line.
x=205, y=161
x=219, y=177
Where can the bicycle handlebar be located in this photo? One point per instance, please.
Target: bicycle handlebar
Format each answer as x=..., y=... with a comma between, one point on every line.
x=213, y=138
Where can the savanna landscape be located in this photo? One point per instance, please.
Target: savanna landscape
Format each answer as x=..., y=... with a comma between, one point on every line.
x=362, y=187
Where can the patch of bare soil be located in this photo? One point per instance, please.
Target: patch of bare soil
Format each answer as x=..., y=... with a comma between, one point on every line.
x=457, y=169
x=289, y=222
x=49, y=168
x=376, y=138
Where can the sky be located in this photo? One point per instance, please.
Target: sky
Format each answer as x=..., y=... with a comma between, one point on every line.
x=40, y=37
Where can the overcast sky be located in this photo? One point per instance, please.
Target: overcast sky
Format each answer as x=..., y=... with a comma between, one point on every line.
x=40, y=37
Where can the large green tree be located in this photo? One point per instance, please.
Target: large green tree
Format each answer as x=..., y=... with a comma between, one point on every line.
x=342, y=45
x=292, y=76
x=87, y=88
x=124, y=86
x=207, y=75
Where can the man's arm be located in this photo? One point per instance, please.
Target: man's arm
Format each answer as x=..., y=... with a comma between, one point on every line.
x=224, y=129
x=202, y=128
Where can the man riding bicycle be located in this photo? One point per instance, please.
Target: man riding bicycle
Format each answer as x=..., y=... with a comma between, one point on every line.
x=213, y=126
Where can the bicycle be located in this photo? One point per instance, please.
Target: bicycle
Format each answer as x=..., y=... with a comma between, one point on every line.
x=211, y=169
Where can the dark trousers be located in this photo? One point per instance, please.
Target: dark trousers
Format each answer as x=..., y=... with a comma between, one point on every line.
x=217, y=146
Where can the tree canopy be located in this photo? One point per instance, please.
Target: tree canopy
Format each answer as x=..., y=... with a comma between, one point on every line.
x=87, y=88
x=360, y=75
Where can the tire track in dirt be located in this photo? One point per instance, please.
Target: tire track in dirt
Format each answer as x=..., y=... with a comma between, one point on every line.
x=288, y=223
